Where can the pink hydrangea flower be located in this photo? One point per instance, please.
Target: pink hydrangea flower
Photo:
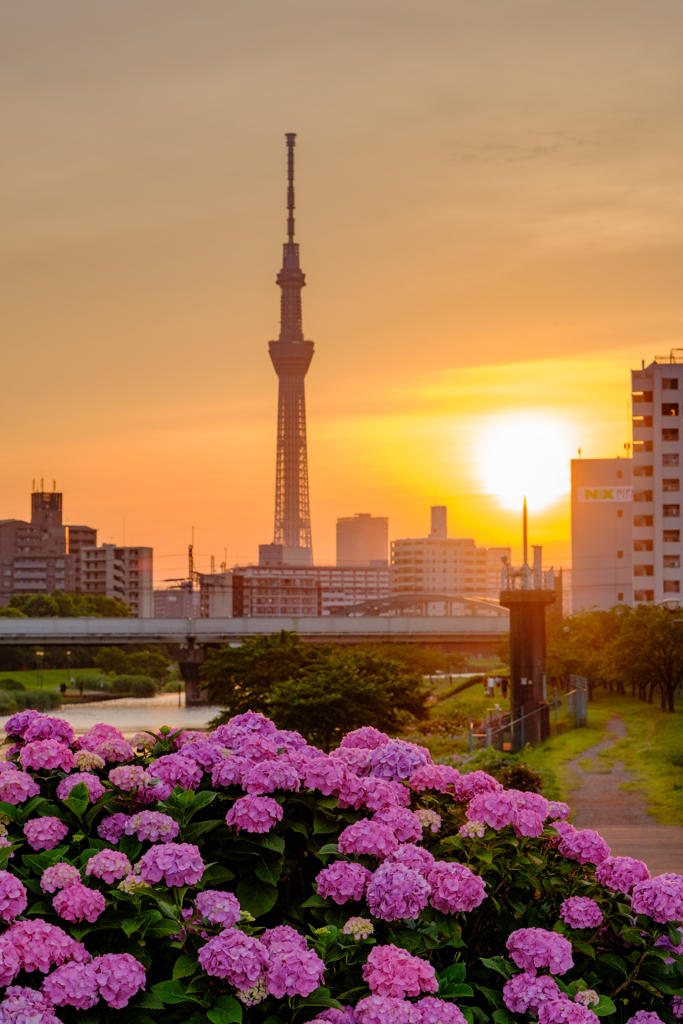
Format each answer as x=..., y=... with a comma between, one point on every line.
x=368, y=837
x=527, y=822
x=119, y=976
x=342, y=881
x=26, y=1006
x=46, y=728
x=352, y=791
x=59, y=876
x=645, y=1017
x=109, y=865
x=472, y=830
x=405, y=824
x=267, y=776
x=558, y=809
x=115, y=750
x=229, y=772
x=334, y=1016
x=16, y=787
x=77, y=903
x=525, y=992
x=366, y=737
x=398, y=760
x=176, y=770
x=325, y=774
x=47, y=755
x=239, y=958
x=293, y=972
x=439, y=777
x=10, y=962
x=129, y=777
x=289, y=739
x=254, y=747
x=218, y=907
x=438, y=1011
x=359, y=927
x=415, y=857
x=282, y=936
x=455, y=888
x=586, y=845
x=92, y=784
x=254, y=814
x=40, y=945
x=381, y=793
x=176, y=863
x=18, y=724
x=13, y=900
x=387, y=1010
x=391, y=971
x=563, y=1011
x=202, y=753
x=621, y=874
x=239, y=725
x=535, y=948
x=356, y=759
x=91, y=739
x=476, y=782
x=581, y=912
x=152, y=826
x=661, y=898
x=72, y=985
x=112, y=828
x=587, y=997
x=45, y=833
x=396, y=892
x=494, y=807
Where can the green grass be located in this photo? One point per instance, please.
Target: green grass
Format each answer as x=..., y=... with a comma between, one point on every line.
x=52, y=678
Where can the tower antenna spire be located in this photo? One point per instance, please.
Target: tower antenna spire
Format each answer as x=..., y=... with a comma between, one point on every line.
x=291, y=143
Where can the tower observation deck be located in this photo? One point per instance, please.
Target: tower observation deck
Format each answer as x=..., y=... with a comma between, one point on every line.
x=291, y=356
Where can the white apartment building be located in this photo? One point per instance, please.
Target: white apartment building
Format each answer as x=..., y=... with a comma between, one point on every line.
x=602, y=504
x=305, y=590
x=121, y=572
x=363, y=539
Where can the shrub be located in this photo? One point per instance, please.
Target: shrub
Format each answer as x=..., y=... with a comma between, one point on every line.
x=136, y=686
x=11, y=684
x=173, y=686
x=228, y=899
x=93, y=681
x=37, y=700
x=7, y=703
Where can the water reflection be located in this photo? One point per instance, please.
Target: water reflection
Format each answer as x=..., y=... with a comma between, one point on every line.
x=132, y=715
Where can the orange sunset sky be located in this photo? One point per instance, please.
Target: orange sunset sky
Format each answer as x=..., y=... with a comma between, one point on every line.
x=490, y=215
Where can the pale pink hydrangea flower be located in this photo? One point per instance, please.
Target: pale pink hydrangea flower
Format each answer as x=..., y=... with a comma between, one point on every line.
x=293, y=972
x=129, y=777
x=112, y=828
x=366, y=836
x=581, y=912
x=72, y=985
x=26, y=1006
x=359, y=927
x=77, y=903
x=47, y=755
x=238, y=958
x=254, y=814
x=254, y=995
x=142, y=741
x=109, y=865
x=88, y=761
x=415, y=857
x=367, y=737
x=153, y=826
x=132, y=884
x=342, y=881
x=472, y=830
x=438, y=1011
x=45, y=833
x=91, y=739
x=16, y=787
x=177, y=863
x=390, y=971
x=558, y=809
x=13, y=899
x=119, y=976
x=455, y=888
x=563, y=1011
x=405, y=824
x=439, y=777
x=661, y=898
x=396, y=892
x=621, y=874
x=535, y=948
x=398, y=760
x=115, y=750
x=59, y=876
x=428, y=819
x=47, y=728
x=218, y=907
x=587, y=997
x=92, y=784
x=525, y=992
x=40, y=945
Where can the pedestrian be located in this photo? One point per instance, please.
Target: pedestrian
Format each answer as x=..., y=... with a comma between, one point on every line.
x=504, y=687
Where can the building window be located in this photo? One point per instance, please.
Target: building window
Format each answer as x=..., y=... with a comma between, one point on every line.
x=642, y=396
x=670, y=434
x=669, y=383
x=643, y=570
x=642, y=421
x=620, y=597
x=620, y=513
x=619, y=474
x=671, y=485
x=672, y=586
x=672, y=511
x=670, y=459
x=620, y=554
x=642, y=446
x=642, y=495
x=641, y=471
x=644, y=595
x=672, y=536
x=642, y=545
x=669, y=408
x=672, y=561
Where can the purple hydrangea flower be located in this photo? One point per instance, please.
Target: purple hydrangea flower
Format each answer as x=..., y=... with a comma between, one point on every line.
x=77, y=903
x=293, y=972
x=72, y=985
x=254, y=814
x=47, y=755
x=525, y=992
x=396, y=892
x=381, y=793
x=368, y=837
x=26, y=1006
x=40, y=945
x=152, y=826
x=455, y=888
x=356, y=759
x=661, y=898
x=239, y=958
x=16, y=787
x=177, y=863
x=59, y=876
x=239, y=725
x=581, y=912
x=438, y=1011
x=218, y=907
x=558, y=809
x=367, y=737
x=535, y=948
x=325, y=774
x=109, y=865
x=405, y=824
x=267, y=776
x=112, y=828
x=45, y=833
x=129, y=777
x=202, y=753
x=415, y=857
x=93, y=737
x=119, y=976
x=342, y=881
x=390, y=971
x=92, y=784
x=495, y=808
x=19, y=723
x=398, y=760
x=10, y=962
x=585, y=845
x=563, y=1011
x=677, y=1006
x=46, y=728
x=621, y=874
x=13, y=900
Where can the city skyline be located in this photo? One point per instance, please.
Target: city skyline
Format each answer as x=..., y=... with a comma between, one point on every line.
x=490, y=214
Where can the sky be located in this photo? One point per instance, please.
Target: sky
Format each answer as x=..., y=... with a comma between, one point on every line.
x=491, y=224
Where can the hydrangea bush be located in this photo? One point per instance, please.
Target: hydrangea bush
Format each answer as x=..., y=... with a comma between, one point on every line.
x=245, y=876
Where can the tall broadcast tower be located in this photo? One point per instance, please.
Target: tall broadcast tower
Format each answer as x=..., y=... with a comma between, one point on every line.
x=291, y=357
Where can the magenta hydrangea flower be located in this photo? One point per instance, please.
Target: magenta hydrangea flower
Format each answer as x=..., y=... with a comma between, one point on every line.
x=129, y=777
x=438, y=1011
x=77, y=903
x=17, y=786
x=59, y=876
x=109, y=865
x=493, y=807
x=254, y=814
x=293, y=972
x=535, y=948
x=202, y=753
x=334, y=1016
x=267, y=776
x=527, y=822
x=47, y=755
x=352, y=791
x=581, y=912
x=645, y=1017
x=119, y=976
x=439, y=777
x=661, y=898
x=114, y=750
x=18, y=724
x=563, y=1011
x=558, y=809
x=396, y=892
x=239, y=958
x=390, y=971
x=289, y=739
x=405, y=824
x=45, y=833
x=239, y=725
x=175, y=770
x=387, y=1010
x=46, y=728
x=342, y=881
x=72, y=985
x=677, y=1006
x=152, y=826
x=10, y=962
x=229, y=772
x=381, y=793
x=415, y=857
x=366, y=737
x=366, y=836
x=455, y=888
x=97, y=734
x=621, y=874
x=476, y=782
x=92, y=784
x=356, y=759
x=255, y=747
x=176, y=863
x=218, y=907
x=40, y=945
x=112, y=828
x=398, y=760
x=26, y=1006
x=585, y=845
x=283, y=937
x=13, y=899
x=325, y=774
x=525, y=992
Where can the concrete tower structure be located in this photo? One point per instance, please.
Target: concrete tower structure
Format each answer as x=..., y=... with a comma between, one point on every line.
x=291, y=357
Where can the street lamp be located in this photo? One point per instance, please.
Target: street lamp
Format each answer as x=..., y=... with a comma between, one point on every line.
x=39, y=667
x=671, y=604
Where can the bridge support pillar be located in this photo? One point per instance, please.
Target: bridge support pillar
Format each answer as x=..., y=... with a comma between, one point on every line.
x=190, y=660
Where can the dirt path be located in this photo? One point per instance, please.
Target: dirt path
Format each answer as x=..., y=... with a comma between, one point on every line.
x=619, y=815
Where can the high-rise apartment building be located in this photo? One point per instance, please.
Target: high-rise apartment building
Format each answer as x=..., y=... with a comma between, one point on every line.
x=121, y=572
x=363, y=539
x=602, y=548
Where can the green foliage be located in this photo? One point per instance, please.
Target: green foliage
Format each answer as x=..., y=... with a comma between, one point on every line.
x=11, y=684
x=92, y=681
x=426, y=660
x=148, y=663
x=37, y=700
x=64, y=605
x=508, y=769
x=7, y=704
x=136, y=686
x=112, y=660
x=11, y=613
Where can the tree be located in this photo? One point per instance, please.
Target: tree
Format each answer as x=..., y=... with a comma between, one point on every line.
x=37, y=606
x=648, y=653
x=112, y=660
x=148, y=663
x=581, y=645
x=11, y=613
x=67, y=606
x=345, y=690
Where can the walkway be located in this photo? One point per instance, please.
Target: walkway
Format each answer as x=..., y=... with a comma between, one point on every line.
x=618, y=814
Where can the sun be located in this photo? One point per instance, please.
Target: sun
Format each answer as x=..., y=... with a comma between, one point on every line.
x=525, y=455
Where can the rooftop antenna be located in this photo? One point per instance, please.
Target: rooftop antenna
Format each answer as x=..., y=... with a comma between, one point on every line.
x=524, y=533
x=291, y=137
x=33, y=486
x=41, y=484
x=54, y=486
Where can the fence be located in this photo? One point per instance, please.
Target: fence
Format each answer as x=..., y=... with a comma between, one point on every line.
x=503, y=736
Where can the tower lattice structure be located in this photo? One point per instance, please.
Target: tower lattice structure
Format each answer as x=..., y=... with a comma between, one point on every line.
x=291, y=357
